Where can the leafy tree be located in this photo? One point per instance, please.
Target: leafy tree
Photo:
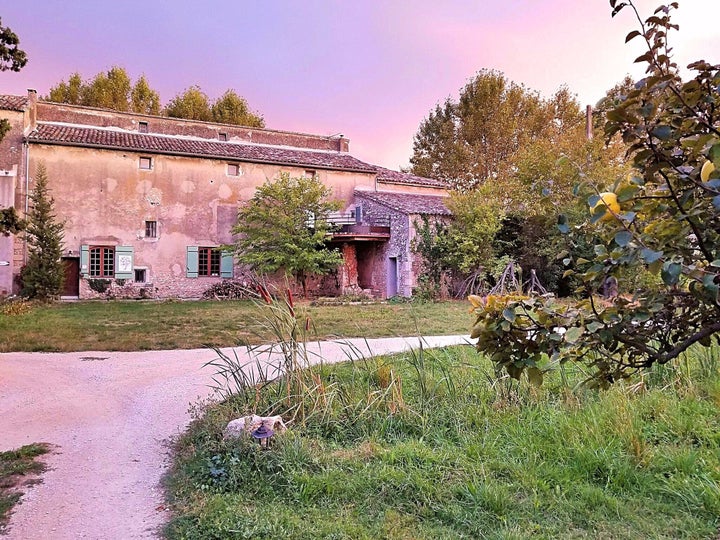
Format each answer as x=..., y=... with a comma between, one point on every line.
x=10, y=222
x=611, y=100
x=233, y=109
x=144, y=99
x=11, y=57
x=663, y=219
x=284, y=227
x=513, y=217
x=469, y=141
x=114, y=90
x=192, y=104
x=42, y=276
x=109, y=90
x=432, y=244
x=68, y=92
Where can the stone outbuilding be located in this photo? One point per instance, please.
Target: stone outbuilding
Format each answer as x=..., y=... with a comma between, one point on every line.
x=147, y=201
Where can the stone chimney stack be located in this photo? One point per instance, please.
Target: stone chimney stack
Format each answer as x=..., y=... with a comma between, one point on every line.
x=32, y=109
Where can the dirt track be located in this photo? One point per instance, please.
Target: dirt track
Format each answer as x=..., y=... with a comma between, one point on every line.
x=110, y=416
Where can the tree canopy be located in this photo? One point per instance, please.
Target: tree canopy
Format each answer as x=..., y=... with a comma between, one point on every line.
x=230, y=108
x=109, y=90
x=473, y=139
x=513, y=216
x=115, y=90
x=284, y=227
x=192, y=104
x=12, y=58
x=662, y=220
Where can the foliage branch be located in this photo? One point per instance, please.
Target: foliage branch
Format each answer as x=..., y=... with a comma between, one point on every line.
x=666, y=221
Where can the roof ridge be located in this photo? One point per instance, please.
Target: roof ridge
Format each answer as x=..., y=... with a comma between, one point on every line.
x=191, y=138
x=118, y=139
x=408, y=203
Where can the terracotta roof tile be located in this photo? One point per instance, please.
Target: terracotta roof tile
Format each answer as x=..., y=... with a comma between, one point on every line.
x=395, y=177
x=70, y=134
x=408, y=203
x=13, y=103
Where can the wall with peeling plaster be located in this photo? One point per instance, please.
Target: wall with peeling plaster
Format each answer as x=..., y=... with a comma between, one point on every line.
x=106, y=198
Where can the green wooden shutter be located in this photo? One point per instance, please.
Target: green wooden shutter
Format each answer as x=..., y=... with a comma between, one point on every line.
x=192, y=262
x=84, y=260
x=226, y=264
x=124, y=262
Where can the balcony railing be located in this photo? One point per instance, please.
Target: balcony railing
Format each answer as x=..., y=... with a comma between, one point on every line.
x=340, y=219
x=352, y=224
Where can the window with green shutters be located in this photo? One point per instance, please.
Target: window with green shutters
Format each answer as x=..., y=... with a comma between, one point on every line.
x=107, y=261
x=102, y=261
x=203, y=261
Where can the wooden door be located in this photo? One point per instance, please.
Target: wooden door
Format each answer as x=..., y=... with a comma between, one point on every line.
x=71, y=284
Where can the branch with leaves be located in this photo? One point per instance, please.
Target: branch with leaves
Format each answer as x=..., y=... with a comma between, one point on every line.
x=662, y=221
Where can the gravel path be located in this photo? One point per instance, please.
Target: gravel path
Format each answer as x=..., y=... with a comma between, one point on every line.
x=110, y=416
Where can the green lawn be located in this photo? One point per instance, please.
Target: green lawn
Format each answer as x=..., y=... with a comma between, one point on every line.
x=17, y=469
x=128, y=325
x=432, y=446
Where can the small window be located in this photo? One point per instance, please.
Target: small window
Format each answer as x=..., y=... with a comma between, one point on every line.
x=222, y=137
x=146, y=163
x=233, y=169
x=140, y=275
x=102, y=261
x=143, y=127
x=310, y=174
x=151, y=229
x=208, y=261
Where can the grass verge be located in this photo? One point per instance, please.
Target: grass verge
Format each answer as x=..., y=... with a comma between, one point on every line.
x=431, y=445
x=18, y=468
x=129, y=326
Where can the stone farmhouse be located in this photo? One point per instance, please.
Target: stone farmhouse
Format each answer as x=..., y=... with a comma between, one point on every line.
x=147, y=200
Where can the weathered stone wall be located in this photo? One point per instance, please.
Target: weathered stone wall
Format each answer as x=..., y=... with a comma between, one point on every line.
x=106, y=199
x=417, y=261
x=12, y=194
x=398, y=246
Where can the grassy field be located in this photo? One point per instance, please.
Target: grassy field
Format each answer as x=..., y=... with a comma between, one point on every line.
x=127, y=326
x=433, y=446
x=17, y=468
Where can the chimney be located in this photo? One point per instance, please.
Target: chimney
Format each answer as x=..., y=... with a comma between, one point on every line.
x=32, y=108
x=343, y=144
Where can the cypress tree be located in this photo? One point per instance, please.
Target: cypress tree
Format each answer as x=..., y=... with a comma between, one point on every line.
x=42, y=276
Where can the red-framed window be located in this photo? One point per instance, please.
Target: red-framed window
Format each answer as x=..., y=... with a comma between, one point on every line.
x=102, y=261
x=208, y=261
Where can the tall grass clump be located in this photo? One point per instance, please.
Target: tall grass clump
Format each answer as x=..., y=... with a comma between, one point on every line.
x=284, y=377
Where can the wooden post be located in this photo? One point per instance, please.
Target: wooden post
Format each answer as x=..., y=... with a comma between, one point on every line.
x=588, y=123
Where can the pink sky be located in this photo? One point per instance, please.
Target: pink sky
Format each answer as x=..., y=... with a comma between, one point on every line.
x=371, y=70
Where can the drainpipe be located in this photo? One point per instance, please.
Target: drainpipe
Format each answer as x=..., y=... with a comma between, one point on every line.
x=27, y=195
